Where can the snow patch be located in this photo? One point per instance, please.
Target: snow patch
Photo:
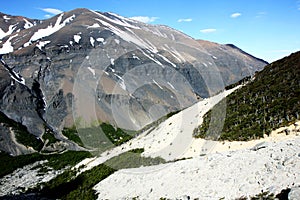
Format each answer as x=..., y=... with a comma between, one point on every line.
x=51, y=29
x=92, y=71
x=7, y=47
x=11, y=28
x=41, y=44
x=121, y=82
x=77, y=38
x=27, y=24
x=100, y=39
x=117, y=41
x=173, y=37
x=112, y=61
x=92, y=41
x=133, y=38
x=157, y=84
x=106, y=72
x=135, y=57
x=96, y=25
x=156, y=61
x=171, y=85
x=175, y=53
x=6, y=18
x=167, y=60
x=118, y=20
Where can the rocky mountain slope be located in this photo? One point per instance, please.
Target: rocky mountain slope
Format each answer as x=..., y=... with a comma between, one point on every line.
x=84, y=67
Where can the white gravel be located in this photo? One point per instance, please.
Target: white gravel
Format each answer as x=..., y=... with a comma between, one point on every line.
x=23, y=178
x=233, y=174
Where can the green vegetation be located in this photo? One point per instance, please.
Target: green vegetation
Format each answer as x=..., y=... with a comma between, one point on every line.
x=283, y=195
x=243, y=81
x=29, y=140
x=69, y=186
x=267, y=103
x=100, y=138
x=68, y=158
x=56, y=161
x=48, y=135
x=116, y=135
x=72, y=134
x=133, y=159
x=21, y=133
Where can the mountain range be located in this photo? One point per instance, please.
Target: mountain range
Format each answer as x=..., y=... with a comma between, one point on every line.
x=84, y=67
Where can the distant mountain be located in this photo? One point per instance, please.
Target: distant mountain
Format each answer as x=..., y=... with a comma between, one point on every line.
x=271, y=100
x=82, y=66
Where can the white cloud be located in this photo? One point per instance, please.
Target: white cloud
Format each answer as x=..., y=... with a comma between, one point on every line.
x=235, y=15
x=47, y=16
x=52, y=11
x=144, y=19
x=260, y=14
x=208, y=30
x=185, y=20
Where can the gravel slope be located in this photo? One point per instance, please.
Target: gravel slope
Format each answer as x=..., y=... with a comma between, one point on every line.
x=269, y=167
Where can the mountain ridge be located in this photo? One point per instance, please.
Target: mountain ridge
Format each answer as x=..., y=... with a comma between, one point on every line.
x=89, y=66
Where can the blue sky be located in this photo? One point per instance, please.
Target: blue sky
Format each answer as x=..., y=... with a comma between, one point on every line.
x=268, y=29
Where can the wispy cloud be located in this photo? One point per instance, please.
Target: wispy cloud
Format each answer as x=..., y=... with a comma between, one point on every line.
x=48, y=16
x=185, y=20
x=208, y=30
x=145, y=19
x=261, y=14
x=52, y=11
x=298, y=4
x=235, y=15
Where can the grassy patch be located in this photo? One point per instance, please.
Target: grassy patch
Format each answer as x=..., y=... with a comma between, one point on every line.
x=100, y=138
x=49, y=136
x=72, y=134
x=21, y=133
x=117, y=136
x=29, y=140
x=56, y=161
x=133, y=159
x=10, y=163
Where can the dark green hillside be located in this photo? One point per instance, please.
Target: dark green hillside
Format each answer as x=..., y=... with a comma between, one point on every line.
x=271, y=101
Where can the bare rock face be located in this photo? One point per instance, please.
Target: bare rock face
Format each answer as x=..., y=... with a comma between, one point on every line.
x=85, y=66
